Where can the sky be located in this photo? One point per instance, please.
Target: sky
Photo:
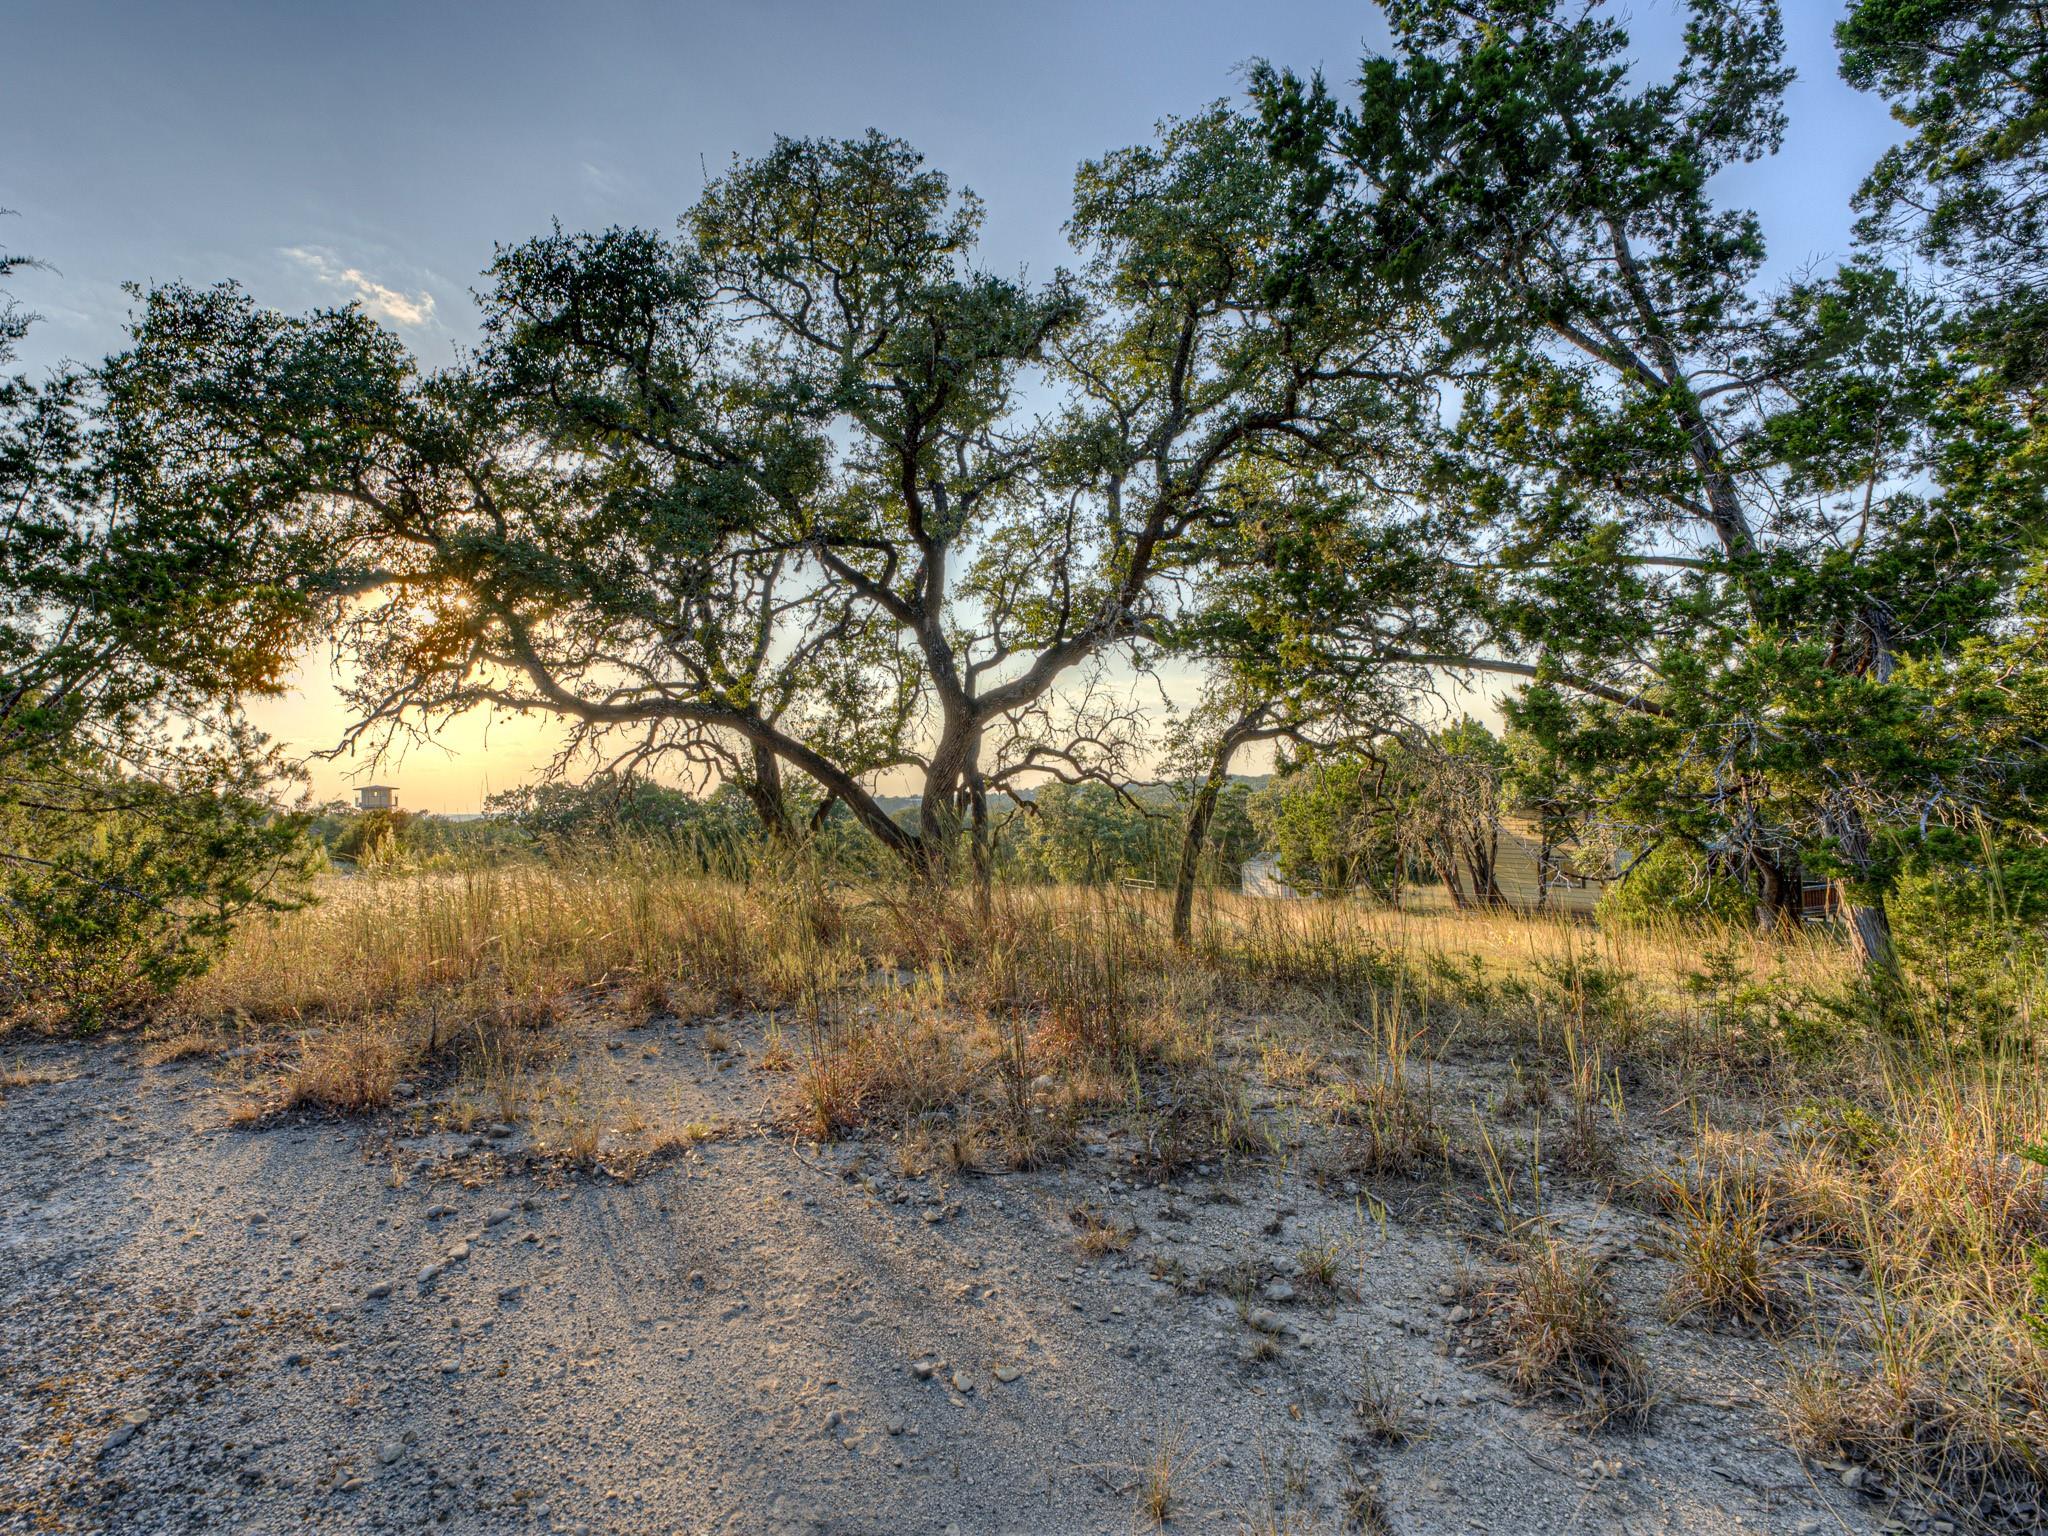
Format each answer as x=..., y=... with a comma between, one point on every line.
x=375, y=152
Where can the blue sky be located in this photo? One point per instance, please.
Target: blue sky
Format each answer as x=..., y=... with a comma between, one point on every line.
x=318, y=152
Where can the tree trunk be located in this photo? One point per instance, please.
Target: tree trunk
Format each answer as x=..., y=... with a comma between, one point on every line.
x=1446, y=866
x=764, y=792
x=1777, y=904
x=1870, y=929
x=1192, y=837
x=1245, y=728
x=982, y=850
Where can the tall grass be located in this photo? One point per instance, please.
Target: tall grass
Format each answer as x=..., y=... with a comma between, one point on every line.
x=988, y=1037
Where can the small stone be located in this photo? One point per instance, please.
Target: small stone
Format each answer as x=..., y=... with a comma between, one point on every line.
x=1854, y=1478
x=510, y=1292
x=895, y=1426
x=499, y=1132
x=389, y=1452
x=436, y=1212
x=429, y=1275
x=696, y=1281
x=1007, y=1374
x=962, y=1382
x=499, y=1216
x=378, y=1291
x=1279, y=1292
x=457, y=1252
x=933, y=1216
x=1461, y=1314
x=923, y=1369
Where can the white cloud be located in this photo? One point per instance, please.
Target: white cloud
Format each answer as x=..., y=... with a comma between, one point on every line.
x=378, y=300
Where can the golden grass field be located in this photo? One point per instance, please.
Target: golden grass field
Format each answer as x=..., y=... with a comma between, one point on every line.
x=1726, y=1077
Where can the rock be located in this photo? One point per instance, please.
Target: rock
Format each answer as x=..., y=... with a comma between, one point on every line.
x=124, y=1429
x=389, y=1452
x=378, y=1291
x=895, y=1426
x=1460, y=1315
x=1007, y=1374
x=499, y=1132
x=436, y=1212
x=1853, y=1478
x=510, y=1292
x=696, y=1280
x=499, y=1216
x=962, y=1383
x=1279, y=1292
x=933, y=1216
x=457, y=1252
x=923, y=1369
x=429, y=1275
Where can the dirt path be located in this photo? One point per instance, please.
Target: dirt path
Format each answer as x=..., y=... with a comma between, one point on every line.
x=343, y=1326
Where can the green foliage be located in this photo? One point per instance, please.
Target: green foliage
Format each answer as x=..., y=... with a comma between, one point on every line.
x=116, y=885
x=1673, y=880
x=819, y=493
x=1090, y=834
x=1972, y=927
x=138, y=816
x=723, y=829
x=1330, y=826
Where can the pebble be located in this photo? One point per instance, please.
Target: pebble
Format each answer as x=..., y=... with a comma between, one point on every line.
x=457, y=1252
x=429, y=1275
x=1007, y=1374
x=962, y=1382
x=1279, y=1292
x=389, y=1452
x=378, y=1291
x=499, y=1216
x=923, y=1369
x=1461, y=1314
x=125, y=1427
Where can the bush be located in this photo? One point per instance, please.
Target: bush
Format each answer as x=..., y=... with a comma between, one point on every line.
x=1673, y=880
x=1972, y=936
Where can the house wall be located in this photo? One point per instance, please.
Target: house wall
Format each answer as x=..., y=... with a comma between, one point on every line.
x=1515, y=872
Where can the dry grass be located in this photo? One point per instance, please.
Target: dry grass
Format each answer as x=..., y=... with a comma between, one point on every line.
x=1097, y=1236
x=1162, y=1480
x=1554, y=1330
x=20, y=1076
x=983, y=1043
x=1720, y=1241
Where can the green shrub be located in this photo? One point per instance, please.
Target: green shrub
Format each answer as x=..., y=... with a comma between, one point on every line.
x=1674, y=880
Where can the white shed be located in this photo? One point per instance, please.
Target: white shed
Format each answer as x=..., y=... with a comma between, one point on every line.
x=1261, y=877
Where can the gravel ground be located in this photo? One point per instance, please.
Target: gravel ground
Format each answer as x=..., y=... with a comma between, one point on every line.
x=372, y=1325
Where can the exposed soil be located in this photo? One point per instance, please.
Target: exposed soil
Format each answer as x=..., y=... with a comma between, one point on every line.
x=376, y=1324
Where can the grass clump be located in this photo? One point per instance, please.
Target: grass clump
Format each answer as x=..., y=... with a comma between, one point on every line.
x=1554, y=1330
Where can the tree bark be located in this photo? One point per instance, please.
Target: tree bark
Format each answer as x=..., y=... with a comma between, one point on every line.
x=1245, y=728
x=764, y=791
